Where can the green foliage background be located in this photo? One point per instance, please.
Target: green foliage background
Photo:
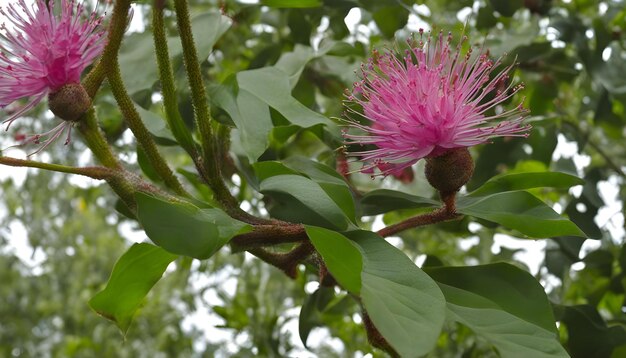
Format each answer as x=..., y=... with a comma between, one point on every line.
x=571, y=58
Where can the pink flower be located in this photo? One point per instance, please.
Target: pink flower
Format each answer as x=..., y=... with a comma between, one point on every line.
x=42, y=52
x=430, y=101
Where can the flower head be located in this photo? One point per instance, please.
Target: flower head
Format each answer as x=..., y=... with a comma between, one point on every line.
x=427, y=102
x=42, y=52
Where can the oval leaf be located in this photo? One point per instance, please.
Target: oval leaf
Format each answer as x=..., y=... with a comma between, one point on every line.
x=521, y=211
x=341, y=256
x=502, y=304
x=404, y=303
x=184, y=229
x=309, y=193
x=133, y=276
x=521, y=181
x=384, y=200
x=271, y=86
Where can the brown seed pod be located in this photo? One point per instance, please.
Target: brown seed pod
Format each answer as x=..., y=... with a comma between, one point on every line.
x=450, y=171
x=70, y=102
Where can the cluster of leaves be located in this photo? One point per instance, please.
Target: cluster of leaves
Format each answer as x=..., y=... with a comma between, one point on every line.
x=275, y=93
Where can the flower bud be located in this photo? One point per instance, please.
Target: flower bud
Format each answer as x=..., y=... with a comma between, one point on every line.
x=69, y=102
x=450, y=171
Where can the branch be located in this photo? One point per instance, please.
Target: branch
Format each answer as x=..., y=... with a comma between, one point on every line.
x=446, y=213
x=287, y=262
x=268, y=235
x=144, y=137
x=166, y=76
x=99, y=173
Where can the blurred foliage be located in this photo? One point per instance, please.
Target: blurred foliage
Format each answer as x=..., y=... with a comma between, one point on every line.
x=570, y=56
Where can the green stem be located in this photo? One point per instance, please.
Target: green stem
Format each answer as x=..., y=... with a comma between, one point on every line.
x=94, y=138
x=194, y=74
x=144, y=138
x=209, y=166
x=117, y=26
x=168, y=89
x=115, y=31
x=94, y=79
x=88, y=126
x=100, y=173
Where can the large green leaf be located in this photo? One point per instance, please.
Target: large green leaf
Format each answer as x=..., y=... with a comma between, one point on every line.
x=588, y=333
x=404, y=303
x=133, y=276
x=310, y=194
x=329, y=180
x=341, y=256
x=248, y=103
x=185, y=229
x=503, y=304
x=389, y=19
x=381, y=201
x=521, y=211
x=521, y=181
x=250, y=115
x=293, y=63
x=271, y=86
x=315, y=170
x=333, y=185
x=137, y=59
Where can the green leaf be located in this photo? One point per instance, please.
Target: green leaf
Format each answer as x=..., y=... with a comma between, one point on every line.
x=404, y=303
x=248, y=104
x=271, y=86
x=315, y=170
x=310, y=313
x=133, y=276
x=309, y=193
x=589, y=335
x=251, y=117
x=341, y=256
x=521, y=181
x=389, y=19
x=293, y=63
x=503, y=304
x=384, y=200
x=521, y=211
x=329, y=180
x=267, y=169
x=156, y=125
x=292, y=3
x=137, y=58
x=185, y=229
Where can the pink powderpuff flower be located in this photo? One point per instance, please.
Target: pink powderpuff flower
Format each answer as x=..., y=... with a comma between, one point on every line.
x=429, y=101
x=42, y=52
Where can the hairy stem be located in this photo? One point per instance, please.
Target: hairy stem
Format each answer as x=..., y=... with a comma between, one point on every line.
x=267, y=235
x=287, y=262
x=93, y=136
x=100, y=173
x=144, y=138
x=168, y=89
x=209, y=164
x=446, y=213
